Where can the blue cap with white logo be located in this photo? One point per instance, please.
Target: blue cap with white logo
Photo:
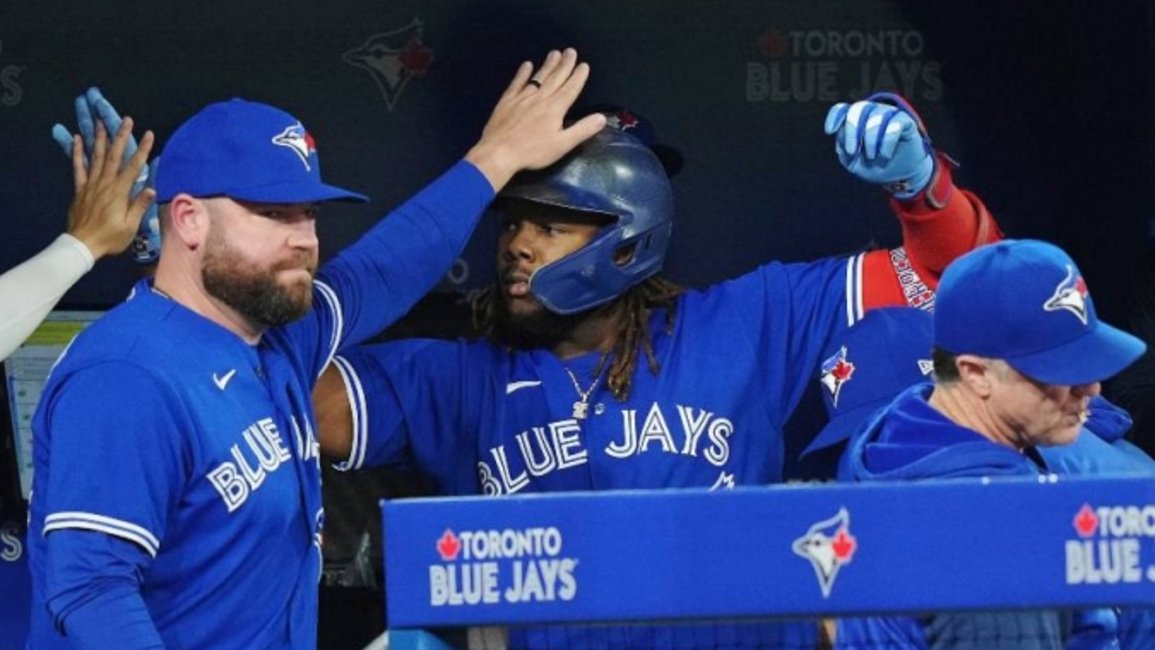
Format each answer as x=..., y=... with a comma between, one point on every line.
x=1025, y=302
x=883, y=354
x=247, y=151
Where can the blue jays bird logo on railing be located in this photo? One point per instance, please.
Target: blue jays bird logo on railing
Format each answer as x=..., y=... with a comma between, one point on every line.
x=836, y=371
x=393, y=58
x=299, y=141
x=828, y=545
x=1071, y=295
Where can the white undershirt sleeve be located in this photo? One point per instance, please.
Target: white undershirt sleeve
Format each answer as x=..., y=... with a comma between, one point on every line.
x=29, y=291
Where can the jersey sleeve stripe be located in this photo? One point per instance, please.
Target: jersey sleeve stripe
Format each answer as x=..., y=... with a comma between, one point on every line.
x=854, y=289
x=334, y=303
x=115, y=527
x=859, y=294
x=356, y=393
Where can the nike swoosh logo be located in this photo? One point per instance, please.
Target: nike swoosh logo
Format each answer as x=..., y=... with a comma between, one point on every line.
x=514, y=386
x=223, y=381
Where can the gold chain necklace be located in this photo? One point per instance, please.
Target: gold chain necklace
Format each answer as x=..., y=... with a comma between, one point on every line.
x=581, y=407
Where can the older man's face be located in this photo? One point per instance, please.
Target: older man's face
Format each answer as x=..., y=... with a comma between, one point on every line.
x=1038, y=414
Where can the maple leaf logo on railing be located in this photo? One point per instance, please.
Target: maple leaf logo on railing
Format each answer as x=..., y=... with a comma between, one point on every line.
x=448, y=546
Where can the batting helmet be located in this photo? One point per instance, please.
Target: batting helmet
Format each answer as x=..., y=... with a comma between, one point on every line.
x=612, y=174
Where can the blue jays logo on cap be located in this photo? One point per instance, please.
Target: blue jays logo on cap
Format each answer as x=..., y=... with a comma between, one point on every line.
x=295, y=137
x=621, y=120
x=237, y=149
x=890, y=346
x=989, y=304
x=1070, y=295
x=836, y=371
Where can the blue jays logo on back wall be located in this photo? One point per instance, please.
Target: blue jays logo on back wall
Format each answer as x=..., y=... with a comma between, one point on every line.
x=759, y=165
x=393, y=58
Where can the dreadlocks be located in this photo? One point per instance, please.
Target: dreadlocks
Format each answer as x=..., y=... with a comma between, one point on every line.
x=633, y=335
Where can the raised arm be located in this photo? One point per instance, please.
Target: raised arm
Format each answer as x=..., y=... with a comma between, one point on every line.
x=525, y=130
x=101, y=220
x=92, y=108
x=883, y=141
x=379, y=278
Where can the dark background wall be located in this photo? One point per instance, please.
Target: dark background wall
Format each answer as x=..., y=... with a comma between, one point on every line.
x=1047, y=105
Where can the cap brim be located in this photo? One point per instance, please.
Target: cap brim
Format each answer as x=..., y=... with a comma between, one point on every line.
x=296, y=193
x=846, y=424
x=1099, y=354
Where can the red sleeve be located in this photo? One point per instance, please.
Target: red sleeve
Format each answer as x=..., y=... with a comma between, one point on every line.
x=938, y=225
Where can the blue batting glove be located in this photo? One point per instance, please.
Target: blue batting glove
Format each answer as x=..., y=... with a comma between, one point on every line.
x=882, y=140
x=145, y=245
x=92, y=106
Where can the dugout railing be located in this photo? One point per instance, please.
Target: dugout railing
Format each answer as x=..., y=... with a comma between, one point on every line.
x=791, y=551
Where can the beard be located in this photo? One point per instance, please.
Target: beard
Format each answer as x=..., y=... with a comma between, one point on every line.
x=539, y=328
x=252, y=291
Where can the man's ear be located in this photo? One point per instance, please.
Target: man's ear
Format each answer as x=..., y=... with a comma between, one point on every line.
x=976, y=373
x=188, y=221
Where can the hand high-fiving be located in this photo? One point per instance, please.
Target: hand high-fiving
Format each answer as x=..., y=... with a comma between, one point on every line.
x=105, y=213
x=526, y=130
x=92, y=107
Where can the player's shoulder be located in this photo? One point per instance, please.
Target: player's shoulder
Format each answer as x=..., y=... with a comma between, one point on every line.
x=433, y=355
x=148, y=331
x=113, y=336
x=779, y=276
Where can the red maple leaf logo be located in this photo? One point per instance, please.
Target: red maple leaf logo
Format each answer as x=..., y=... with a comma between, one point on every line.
x=773, y=43
x=842, y=370
x=1086, y=521
x=844, y=544
x=626, y=120
x=1081, y=285
x=415, y=57
x=448, y=546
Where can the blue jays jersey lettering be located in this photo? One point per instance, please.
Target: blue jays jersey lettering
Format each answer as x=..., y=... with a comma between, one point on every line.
x=194, y=453
x=477, y=418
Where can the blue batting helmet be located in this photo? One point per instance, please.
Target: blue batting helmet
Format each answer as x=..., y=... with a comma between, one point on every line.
x=611, y=174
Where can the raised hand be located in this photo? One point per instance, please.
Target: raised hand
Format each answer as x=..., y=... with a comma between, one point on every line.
x=882, y=140
x=105, y=213
x=526, y=130
x=93, y=108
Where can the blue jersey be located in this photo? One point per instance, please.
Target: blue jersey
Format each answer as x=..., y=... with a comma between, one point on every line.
x=908, y=441
x=474, y=417
x=1101, y=450
x=192, y=452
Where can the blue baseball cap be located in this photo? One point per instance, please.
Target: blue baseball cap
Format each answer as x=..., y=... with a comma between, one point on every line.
x=1026, y=302
x=882, y=355
x=248, y=151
